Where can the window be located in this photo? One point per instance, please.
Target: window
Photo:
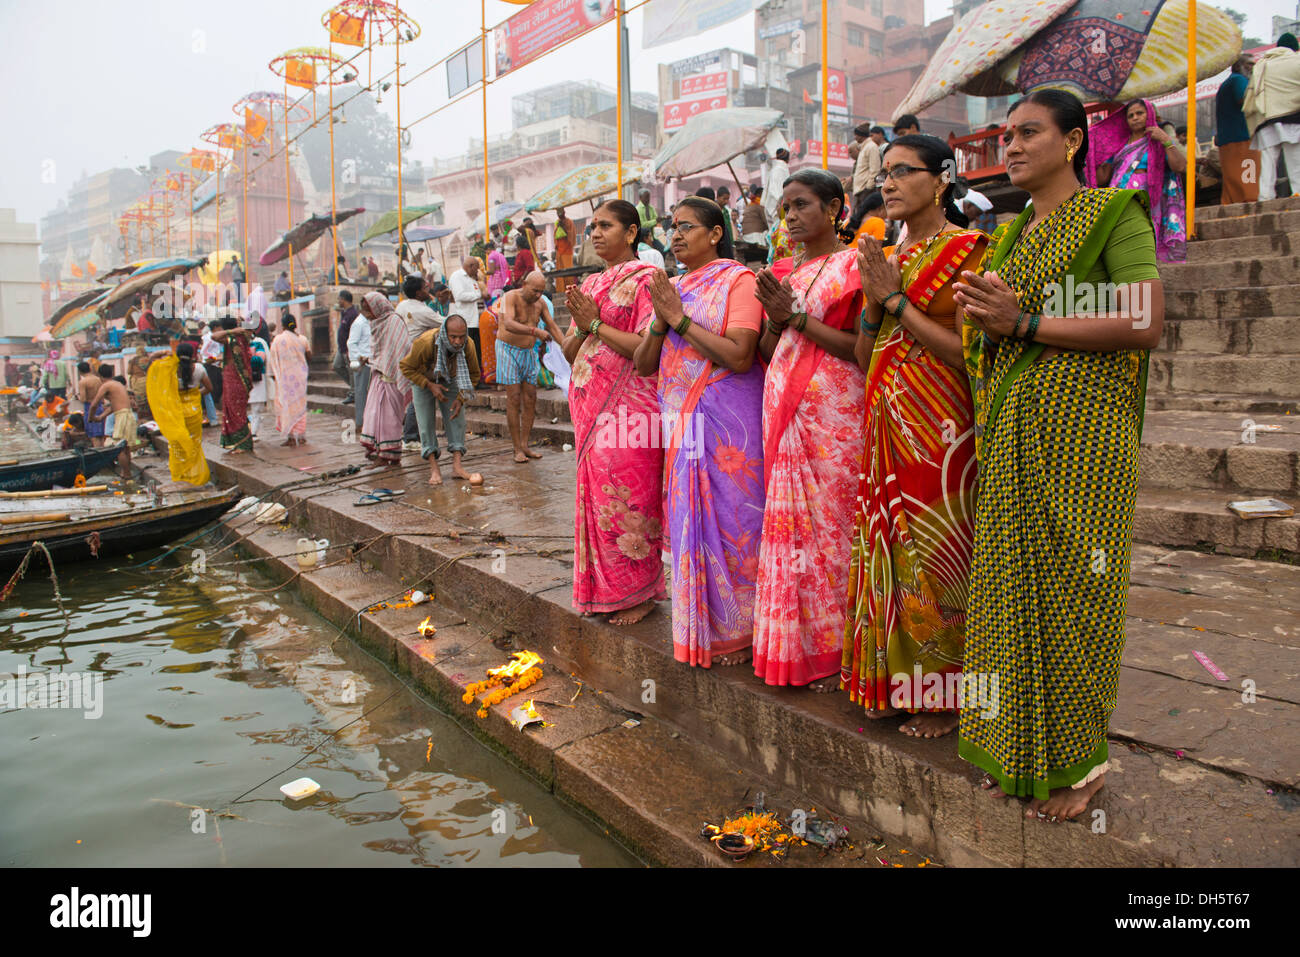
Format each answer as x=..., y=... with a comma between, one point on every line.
x=856, y=36
x=877, y=8
x=876, y=46
x=859, y=4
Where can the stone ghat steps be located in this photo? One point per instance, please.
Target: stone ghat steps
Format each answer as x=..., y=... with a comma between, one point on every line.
x=1247, y=456
x=1256, y=224
x=1231, y=269
x=1214, y=214
x=1265, y=335
x=1230, y=302
x=1276, y=374
x=1212, y=808
x=1199, y=519
x=1261, y=246
x=1234, y=403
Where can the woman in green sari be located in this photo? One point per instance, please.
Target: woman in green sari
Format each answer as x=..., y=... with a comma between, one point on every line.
x=1056, y=337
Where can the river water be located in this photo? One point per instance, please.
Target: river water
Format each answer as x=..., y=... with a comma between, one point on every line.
x=211, y=685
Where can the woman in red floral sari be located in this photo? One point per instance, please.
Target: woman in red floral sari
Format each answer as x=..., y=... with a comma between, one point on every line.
x=905, y=638
x=812, y=441
x=617, y=563
x=237, y=380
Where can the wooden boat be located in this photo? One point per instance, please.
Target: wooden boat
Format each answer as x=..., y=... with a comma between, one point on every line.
x=93, y=527
x=56, y=468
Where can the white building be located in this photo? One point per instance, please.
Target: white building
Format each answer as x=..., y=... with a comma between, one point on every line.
x=20, y=277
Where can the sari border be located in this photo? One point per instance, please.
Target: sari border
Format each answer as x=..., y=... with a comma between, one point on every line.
x=1024, y=786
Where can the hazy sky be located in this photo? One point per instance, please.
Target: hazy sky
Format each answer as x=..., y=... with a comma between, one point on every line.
x=89, y=85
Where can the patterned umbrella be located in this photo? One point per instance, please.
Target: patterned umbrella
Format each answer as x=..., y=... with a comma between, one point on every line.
x=711, y=139
x=1100, y=50
x=147, y=276
x=76, y=303
x=500, y=213
x=387, y=223
x=583, y=183
x=304, y=234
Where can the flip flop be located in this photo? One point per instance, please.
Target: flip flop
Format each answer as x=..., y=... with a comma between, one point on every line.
x=387, y=493
x=369, y=500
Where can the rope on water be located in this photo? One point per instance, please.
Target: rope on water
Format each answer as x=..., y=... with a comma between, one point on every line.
x=54, y=578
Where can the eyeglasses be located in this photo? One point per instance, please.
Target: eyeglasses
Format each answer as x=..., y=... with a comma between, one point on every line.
x=902, y=171
x=685, y=228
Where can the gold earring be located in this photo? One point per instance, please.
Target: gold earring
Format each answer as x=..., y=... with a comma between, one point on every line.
x=938, y=197
x=1069, y=154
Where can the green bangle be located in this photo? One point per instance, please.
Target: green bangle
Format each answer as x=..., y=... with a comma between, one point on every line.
x=898, y=312
x=870, y=328
x=885, y=303
x=1033, y=326
x=685, y=324
x=595, y=324
x=656, y=332
x=581, y=333
x=773, y=328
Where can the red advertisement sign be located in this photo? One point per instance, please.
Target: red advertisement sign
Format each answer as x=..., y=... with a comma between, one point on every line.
x=678, y=112
x=704, y=84
x=544, y=25
x=838, y=150
x=837, y=93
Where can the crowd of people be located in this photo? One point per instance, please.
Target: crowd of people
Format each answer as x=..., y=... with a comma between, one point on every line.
x=883, y=470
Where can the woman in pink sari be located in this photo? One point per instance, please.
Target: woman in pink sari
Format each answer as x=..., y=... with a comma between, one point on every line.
x=390, y=391
x=289, y=357
x=1129, y=150
x=617, y=566
x=702, y=344
x=812, y=441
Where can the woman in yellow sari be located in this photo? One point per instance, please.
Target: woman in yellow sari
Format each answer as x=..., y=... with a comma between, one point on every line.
x=176, y=386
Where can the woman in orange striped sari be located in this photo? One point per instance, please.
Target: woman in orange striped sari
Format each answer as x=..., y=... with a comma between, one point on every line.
x=904, y=640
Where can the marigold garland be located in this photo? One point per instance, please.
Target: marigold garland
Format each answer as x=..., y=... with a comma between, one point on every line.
x=523, y=667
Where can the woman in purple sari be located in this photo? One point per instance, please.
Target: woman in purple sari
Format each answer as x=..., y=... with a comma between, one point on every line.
x=702, y=344
x=1129, y=150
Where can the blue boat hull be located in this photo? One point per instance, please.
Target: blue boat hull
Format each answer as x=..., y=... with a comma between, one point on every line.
x=38, y=475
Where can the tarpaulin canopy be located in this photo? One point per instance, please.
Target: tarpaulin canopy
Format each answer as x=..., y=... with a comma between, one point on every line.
x=75, y=320
x=388, y=222
x=583, y=183
x=76, y=303
x=711, y=139
x=147, y=276
x=304, y=234
x=127, y=269
x=423, y=234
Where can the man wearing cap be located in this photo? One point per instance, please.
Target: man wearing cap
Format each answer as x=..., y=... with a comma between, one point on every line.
x=979, y=210
x=869, y=139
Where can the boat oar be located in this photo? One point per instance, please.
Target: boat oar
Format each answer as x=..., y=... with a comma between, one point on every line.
x=85, y=490
x=33, y=519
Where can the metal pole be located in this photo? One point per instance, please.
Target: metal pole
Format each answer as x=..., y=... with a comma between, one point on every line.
x=288, y=202
x=190, y=212
x=247, y=274
x=625, y=85
x=487, y=210
x=217, y=247
x=334, y=201
x=826, y=116
x=1190, y=175
x=401, y=193
x=618, y=33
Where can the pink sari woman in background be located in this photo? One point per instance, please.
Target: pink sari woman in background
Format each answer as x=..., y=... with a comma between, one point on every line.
x=289, y=355
x=618, y=505
x=389, y=391
x=1141, y=162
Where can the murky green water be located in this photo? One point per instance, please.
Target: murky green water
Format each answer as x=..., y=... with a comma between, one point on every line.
x=208, y=688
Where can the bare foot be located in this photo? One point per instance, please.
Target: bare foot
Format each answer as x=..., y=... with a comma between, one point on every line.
x=520, y=457
x=532, y=454
x=460, y=473
x=286, y=442
x=875, y=714
x=1065, y=803
x=630, y=616
x=735, y=658
x=991, y=787
x=932, y=724
x=435, y=477
x=825, y=685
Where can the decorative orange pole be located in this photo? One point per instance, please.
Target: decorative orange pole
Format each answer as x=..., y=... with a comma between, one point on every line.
x=826, y=72
x=288, y=202
x=334, y=199
x=1190, y=175
x=401, y=193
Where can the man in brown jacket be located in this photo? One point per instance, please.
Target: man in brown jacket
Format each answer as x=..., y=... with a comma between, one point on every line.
x=442, y=367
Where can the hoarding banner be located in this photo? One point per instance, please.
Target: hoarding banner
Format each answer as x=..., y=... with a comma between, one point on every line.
x=543, y=26
x=703, y=84
x=666, y=21
x=678, y=112
x=697, y=63
x=779, y=29
x=837, y=93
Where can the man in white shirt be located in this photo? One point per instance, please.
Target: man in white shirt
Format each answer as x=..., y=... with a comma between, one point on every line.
x=210, y=354
x=467, y=294
x=415, y=308
x=867, y=168
x=359, y=357
x=776, y=178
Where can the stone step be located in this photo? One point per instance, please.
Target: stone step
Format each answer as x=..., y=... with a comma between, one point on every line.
x=1209, y=214
x=1249, y=457
x=1231, y=302
x=1282, y=221
x=1200, y=519
x=1243, y=247
x=1238, y=405
x=1173, y=724
x=1276, y=374
x=551, y=403
x=1228, y=272
x=1261, y=335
